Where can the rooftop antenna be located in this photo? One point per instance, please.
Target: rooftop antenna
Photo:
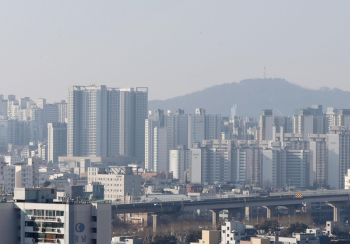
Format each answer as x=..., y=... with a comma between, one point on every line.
x=264, y=72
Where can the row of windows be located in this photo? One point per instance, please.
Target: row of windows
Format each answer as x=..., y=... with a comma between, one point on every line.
x=41, y=212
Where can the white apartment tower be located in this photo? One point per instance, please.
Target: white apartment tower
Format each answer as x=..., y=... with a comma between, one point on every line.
x=160, y=150
x=179, y=162
x=318, y=167
x=155, y=120
x=338, y=148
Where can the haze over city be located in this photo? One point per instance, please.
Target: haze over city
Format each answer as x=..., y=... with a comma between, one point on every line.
x=174, y=122
x=172, y=47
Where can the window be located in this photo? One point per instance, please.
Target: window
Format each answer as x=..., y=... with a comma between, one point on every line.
x=29, y=223
x=59, y=213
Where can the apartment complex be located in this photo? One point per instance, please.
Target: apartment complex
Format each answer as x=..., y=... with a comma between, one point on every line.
x=165, y=132
x=106, y=121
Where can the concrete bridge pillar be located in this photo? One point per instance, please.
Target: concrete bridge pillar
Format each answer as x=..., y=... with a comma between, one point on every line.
x=336, y=209
x=291, y=210
x=155, y=222
x=173, y=217
x=270, y=211
x=215, y=217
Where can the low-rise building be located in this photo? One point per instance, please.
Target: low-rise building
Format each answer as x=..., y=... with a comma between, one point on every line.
x=117, y=181
x=257, y=240
x=19, y=175
x=234, y=232
x=126, y=240
x=209, y=237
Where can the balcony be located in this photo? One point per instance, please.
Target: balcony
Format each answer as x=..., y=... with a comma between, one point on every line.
x=47, y=218
x=48, y=230
x=43, y=240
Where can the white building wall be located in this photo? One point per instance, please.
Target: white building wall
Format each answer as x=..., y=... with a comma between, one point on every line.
x=307, y=125
x=8, y=224
x=161, y=152
x=269, y=172
x=347, y=180
x=115, y=185
x=333, y=161
x=175, y=163
x=196, y=165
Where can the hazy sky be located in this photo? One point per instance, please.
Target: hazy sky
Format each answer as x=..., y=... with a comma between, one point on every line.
x=173, y=47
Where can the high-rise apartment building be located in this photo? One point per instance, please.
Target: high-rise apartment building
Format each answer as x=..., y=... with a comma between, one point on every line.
x=160, y=150
x=265, y=123
x=56, y=141
x=310, y=121
x=212, y=162
x=179, y=162
x=62, y=111
x=319, y=164
x=51, y=113
x=295, y=168
x=155, y=120
x=203, y=127
x=343, y=119
x=163, y=132
x=270, y=170
x=177, y=127
x=338, y=151
x=87, y=121
x=246, y=165
x=106, y=121
x=149, y=143
x=196, y=126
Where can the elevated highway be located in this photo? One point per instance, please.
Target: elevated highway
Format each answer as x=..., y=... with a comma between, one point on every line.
x=176, y=208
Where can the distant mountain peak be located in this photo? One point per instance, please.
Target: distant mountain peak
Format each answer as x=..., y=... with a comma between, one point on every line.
x=253, y=95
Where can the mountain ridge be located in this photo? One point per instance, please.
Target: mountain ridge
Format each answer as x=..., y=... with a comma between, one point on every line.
x=253, y=95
